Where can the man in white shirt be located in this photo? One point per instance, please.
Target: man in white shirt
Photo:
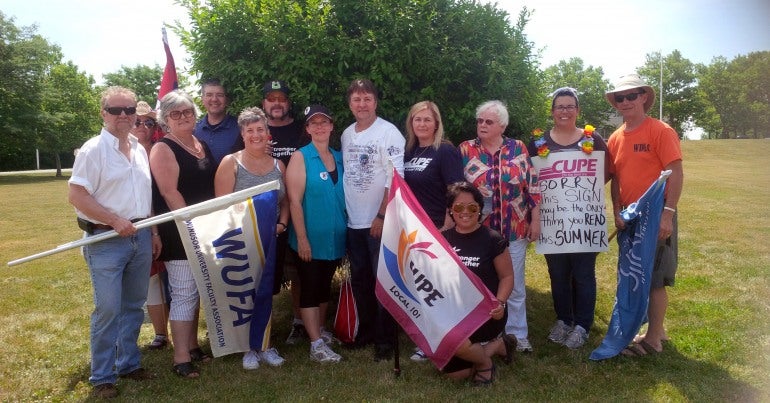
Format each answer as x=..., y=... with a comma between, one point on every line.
x=371, y=148
x=110, y=189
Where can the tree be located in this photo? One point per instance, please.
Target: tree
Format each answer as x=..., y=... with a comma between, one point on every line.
x=681, y=104
x=739, y=93
x=143, y=80
x=591, y=86
x=457, y=53
x=69, y=111
x=25, y=58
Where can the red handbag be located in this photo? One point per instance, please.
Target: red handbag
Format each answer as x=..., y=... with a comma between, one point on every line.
x=346, y=319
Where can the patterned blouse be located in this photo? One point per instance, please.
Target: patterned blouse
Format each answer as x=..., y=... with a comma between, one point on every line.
x=508, y=182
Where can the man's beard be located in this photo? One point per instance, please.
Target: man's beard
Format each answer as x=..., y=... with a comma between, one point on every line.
x=278, y=113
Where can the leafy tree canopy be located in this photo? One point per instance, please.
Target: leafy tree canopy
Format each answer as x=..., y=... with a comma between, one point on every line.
x=591, y=86
x=457, y=53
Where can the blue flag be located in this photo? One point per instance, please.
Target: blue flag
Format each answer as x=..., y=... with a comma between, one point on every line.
x=636, y=259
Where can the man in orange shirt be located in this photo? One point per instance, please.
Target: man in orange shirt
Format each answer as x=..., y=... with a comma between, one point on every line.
x=640, y=149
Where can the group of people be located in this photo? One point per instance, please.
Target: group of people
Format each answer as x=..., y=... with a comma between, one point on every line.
x=483, y=196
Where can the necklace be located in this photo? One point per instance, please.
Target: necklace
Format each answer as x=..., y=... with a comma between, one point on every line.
x=416, y=157
x=196, y=151
x=587, y=144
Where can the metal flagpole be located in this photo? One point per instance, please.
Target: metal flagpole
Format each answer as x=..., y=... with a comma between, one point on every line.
x=184, y=213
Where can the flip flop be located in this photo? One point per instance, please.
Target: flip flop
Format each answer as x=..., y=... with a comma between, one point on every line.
x=481, y=380
x=197, y=354
x=186, y=370
x=639, y=350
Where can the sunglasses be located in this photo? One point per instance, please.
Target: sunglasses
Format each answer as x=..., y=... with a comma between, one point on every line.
x=149, y=123
x=277, y=98
x=176, y=115
x=116, y=110
x=472, y=208
x=489, y=122
x=631, y=97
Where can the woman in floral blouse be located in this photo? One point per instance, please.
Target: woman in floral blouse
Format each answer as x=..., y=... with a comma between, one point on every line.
x=501, y=169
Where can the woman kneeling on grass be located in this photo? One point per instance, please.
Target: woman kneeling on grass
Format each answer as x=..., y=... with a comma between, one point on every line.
x=485, y=252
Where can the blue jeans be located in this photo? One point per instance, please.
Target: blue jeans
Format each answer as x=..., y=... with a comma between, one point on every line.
x=374, y=323
x=573, y=287
x=120, y=273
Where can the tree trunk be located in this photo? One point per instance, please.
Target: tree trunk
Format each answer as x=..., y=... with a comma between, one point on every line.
x=58, y=164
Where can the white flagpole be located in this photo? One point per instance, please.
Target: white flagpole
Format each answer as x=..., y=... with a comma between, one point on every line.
x=184, y=213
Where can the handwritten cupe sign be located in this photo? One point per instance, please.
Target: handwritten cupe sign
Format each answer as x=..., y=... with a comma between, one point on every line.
x=572, y=211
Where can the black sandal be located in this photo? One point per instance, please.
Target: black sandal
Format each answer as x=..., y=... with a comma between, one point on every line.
x=510, y=348
x=197, y=354
x=186, y=370
x=481, y=380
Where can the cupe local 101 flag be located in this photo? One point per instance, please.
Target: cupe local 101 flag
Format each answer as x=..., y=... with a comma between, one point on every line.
x=636, y=258
x=422, y=282
x=232, y=254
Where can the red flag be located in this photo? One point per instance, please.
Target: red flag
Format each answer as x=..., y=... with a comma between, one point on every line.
x=169, y=82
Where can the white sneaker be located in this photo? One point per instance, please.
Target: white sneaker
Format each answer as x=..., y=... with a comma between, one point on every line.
x=576, y=338
x=250, y=360
x=271, y=357
x=327, y=337
x=559, y=332
x=523, y=346
x=320, y=352
x=419, y=355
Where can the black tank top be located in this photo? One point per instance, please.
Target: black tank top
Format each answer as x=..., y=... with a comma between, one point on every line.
x=195, y=183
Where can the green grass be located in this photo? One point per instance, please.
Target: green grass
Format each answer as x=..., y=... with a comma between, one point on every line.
x=717, y=319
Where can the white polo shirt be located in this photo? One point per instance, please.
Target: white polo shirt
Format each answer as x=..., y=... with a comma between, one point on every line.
x=120, y=185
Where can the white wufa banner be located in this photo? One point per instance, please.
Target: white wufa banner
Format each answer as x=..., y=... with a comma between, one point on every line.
x=572, y=211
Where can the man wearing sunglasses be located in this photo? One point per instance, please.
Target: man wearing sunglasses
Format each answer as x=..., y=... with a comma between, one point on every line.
x=217, y=128
x=107, y=168
x=640, y=149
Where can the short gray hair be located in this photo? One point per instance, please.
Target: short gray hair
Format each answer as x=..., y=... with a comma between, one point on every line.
x=496, y=106
x=171, y=101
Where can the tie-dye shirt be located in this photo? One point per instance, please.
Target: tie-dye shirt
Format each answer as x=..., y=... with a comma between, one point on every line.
x=508, y=182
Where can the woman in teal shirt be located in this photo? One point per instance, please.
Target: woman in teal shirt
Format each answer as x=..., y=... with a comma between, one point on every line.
x=319, y=224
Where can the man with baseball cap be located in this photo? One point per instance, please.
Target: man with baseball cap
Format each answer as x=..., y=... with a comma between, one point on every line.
x=288, y=136
x=640, y=149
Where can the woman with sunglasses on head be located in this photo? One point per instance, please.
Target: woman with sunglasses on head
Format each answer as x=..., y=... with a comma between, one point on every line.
x=485, y=252
x=502, y=171
x=183, y=172
x=246, y=168
x=573, y=275
x=157, y=291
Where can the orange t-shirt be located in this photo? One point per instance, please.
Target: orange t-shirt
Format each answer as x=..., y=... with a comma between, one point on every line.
x=640, y=155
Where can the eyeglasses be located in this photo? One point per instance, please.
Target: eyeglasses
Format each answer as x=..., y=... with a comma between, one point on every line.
x=176, y=115
x=149, y=123
x=489, y=122
x=116, y=110
x=631, y=97
x=472, y=208
x=277, y=98
x=567, y=108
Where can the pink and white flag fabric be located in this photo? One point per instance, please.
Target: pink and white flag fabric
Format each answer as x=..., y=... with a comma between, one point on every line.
x=422, y=282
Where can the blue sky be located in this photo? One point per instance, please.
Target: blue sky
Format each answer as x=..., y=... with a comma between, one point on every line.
x=101, y=35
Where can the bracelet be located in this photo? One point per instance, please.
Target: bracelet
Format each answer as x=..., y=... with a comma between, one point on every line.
x=673, y=210
x=280, y=223
x=155, y=234
x=380, y=216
